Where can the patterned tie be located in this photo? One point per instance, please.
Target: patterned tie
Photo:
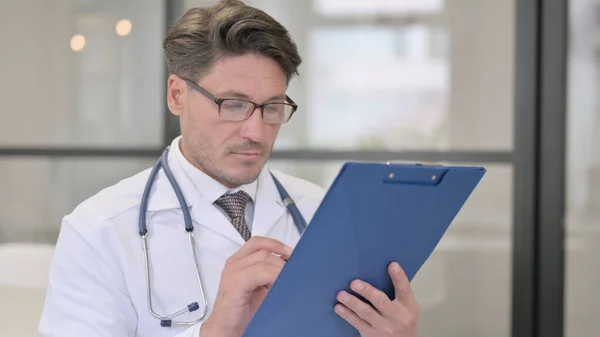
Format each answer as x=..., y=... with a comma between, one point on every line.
x=235, y=206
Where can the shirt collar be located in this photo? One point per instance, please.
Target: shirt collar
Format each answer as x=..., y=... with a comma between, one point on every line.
x=207, y=186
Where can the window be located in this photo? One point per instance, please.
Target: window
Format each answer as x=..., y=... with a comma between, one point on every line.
x=81, y=73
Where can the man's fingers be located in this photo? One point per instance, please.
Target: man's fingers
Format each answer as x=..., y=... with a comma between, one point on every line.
x=257, y=243
x=363, y=310
x=255, y=264
x=261, y=256
x=378, y=298
x=402, y=288
x=261, y=274
x=351, y=317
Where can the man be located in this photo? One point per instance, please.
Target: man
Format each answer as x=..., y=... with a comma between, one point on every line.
x=230, y=66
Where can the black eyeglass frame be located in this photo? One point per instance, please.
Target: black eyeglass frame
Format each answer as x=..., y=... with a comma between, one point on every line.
x=220, y=101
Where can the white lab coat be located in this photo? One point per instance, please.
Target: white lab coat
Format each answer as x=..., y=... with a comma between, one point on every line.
x=97, y=283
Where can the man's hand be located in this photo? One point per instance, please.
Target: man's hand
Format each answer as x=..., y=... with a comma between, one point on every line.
x=245, y=281
x=397, y=318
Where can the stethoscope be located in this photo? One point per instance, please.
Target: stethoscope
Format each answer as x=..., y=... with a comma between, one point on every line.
x=166, y=321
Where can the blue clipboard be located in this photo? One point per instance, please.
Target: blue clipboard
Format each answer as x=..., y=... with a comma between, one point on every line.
x=372, y=214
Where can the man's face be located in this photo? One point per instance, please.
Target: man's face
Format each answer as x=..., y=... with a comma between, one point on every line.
x=232, y=152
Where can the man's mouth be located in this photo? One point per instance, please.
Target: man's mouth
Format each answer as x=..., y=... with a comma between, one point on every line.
x=248, y=155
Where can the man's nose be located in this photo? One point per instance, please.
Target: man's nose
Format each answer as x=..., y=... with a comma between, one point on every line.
x=254, y=127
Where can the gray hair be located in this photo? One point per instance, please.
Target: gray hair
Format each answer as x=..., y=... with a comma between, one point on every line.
x=229, y=28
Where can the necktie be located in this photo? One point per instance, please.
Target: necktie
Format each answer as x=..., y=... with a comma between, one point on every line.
x=235, y=206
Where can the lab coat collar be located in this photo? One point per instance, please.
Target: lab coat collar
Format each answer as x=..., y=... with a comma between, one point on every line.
x=191, y=181
x=162, y=196
x=268, y=204
x=268, y=208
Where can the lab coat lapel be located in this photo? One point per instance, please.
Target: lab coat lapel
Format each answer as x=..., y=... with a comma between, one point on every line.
x=268, y=207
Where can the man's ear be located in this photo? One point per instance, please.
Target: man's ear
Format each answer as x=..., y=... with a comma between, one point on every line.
x=176, y=90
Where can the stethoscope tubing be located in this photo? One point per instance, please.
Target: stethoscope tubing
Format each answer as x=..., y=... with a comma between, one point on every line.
x=167, y=321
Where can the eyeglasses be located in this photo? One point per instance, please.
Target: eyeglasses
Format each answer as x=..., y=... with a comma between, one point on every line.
x=234, y=109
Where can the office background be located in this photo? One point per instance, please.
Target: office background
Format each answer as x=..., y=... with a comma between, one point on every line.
x=508, y=84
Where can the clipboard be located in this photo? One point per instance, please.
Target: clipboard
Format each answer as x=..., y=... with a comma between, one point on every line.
x=372, y=214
